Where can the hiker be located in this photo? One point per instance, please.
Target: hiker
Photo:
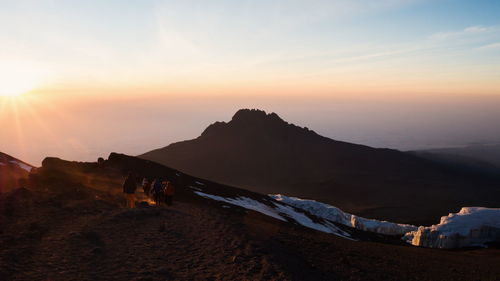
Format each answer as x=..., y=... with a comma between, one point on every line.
x=169, y=193
x=157, y=191
x=129, y=187
x=146, y=186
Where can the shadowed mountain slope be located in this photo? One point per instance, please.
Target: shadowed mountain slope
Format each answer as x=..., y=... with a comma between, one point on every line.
x=263, y=153
x=69, y=225
x=480, y=157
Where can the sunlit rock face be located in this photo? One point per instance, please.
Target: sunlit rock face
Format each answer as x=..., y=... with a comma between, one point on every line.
x=471, y=227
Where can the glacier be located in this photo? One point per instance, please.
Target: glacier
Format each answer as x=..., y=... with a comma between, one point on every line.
x=471, y=227
x=335, y=214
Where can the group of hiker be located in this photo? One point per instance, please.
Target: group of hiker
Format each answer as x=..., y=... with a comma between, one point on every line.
x=160, y=190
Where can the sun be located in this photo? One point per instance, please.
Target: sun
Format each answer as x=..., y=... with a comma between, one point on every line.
x=17, y=79
x=17, y=84
x=13, y=90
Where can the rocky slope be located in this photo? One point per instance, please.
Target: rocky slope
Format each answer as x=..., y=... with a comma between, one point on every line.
x=69, y=225
x=263, y=153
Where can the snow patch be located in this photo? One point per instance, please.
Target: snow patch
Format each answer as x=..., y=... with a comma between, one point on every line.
x=22, y=165
x=199, y=183
x=279, y=211
x=246, y=203
x=472, y=226
x=336, y=215
x=301, y=218
x=195, y=188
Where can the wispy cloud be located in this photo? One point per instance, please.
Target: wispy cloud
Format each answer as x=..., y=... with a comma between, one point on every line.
x=468, y=32
x=226, y=41
x=493, y=46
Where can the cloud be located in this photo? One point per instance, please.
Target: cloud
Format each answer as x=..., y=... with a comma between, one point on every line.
x=452, y=57
x=476, y=29
x=199, y=22
x=226, y=34
x=493, y=46
x=468, y=32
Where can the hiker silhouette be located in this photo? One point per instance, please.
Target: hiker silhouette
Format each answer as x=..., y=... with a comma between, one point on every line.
x=129, y=188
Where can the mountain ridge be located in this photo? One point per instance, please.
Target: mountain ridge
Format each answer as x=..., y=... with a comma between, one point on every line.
x=263, y=153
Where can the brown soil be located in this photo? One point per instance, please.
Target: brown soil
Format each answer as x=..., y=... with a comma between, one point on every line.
x=71, y=225
x=98, y=240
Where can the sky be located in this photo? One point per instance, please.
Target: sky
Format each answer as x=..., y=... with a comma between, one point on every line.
x=79, y=79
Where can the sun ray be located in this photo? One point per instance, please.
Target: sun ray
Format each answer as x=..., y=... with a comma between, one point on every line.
x=38, y=111
x=48, y=132
x=3, y=106
x=18, y=77
x=20, y=136
x=48, y=105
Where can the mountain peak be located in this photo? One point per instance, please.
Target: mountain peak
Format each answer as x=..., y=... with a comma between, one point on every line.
x=248, y=120
x=255, y=115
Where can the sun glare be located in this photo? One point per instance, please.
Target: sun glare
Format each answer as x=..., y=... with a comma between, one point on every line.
x=16, y=91
x=12, y=91
x=16, y=86
x=17, y=79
